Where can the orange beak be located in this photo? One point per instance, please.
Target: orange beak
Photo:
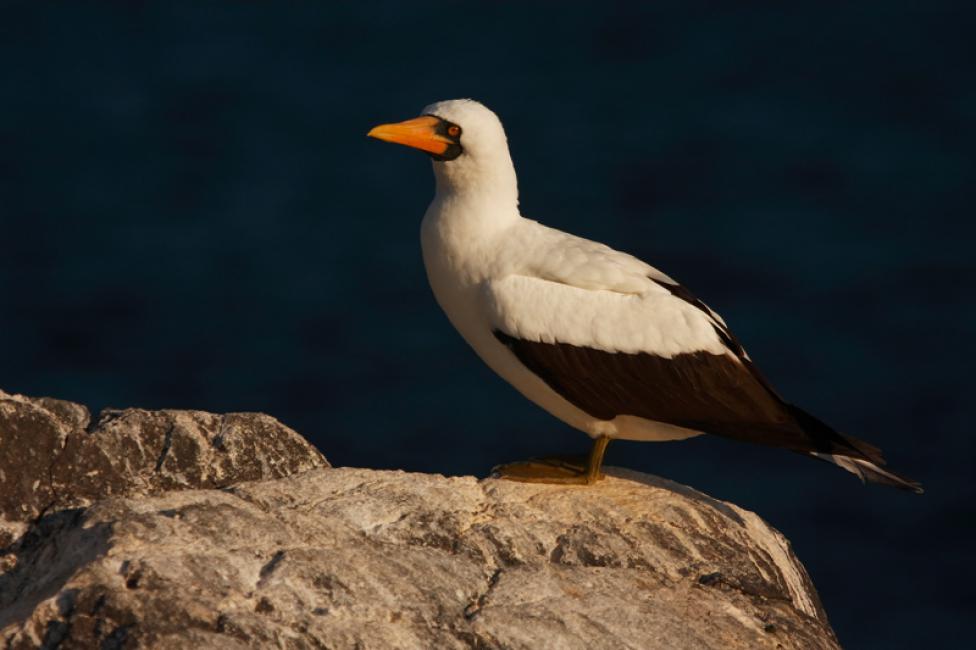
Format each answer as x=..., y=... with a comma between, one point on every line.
x=419, y=133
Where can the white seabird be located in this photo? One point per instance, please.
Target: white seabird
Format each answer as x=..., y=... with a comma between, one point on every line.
x=601, y=340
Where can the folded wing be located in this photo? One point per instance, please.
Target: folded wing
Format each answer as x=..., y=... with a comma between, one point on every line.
x=660, y=355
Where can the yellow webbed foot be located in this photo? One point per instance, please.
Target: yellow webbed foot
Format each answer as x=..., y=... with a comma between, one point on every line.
x=558, y=470
x=547, y=470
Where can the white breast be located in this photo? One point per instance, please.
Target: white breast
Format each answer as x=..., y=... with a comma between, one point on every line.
x=463, y=258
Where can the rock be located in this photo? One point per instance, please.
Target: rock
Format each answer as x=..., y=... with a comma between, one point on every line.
x=354, y=558
x=53, y=457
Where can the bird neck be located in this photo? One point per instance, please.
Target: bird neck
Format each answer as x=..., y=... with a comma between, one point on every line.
x=488, y=182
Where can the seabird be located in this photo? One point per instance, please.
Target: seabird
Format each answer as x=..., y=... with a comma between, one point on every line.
x=601, y=340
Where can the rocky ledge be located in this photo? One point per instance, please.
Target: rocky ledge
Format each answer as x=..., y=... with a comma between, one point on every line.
x=176, y=529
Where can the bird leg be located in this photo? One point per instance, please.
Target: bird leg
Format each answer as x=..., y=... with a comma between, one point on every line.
x=557, y=470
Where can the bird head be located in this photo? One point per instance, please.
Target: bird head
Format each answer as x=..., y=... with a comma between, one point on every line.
x=464, y=138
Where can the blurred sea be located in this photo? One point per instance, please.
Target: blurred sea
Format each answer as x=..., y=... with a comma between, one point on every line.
x=191, y=216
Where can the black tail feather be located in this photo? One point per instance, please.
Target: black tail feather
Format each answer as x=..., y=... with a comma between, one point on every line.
x=827, y=440
x=860, y=458
x=871, y=473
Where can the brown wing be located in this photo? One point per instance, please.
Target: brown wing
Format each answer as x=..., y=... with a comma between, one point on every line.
x=707, y=392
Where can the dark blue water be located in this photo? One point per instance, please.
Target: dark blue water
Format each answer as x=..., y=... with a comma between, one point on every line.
x=191, y=217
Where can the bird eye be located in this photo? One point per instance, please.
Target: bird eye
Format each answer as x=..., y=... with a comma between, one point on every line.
x=454, y=131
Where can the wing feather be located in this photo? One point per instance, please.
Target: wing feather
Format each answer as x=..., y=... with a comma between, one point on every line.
x=655, y=356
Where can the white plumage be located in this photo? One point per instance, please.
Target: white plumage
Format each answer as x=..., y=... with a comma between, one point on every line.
x=491, y=268
x=601, y=340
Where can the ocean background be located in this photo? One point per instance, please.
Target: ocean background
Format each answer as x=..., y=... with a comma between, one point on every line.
x=191, y=216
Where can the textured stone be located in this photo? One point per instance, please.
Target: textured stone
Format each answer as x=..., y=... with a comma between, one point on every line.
x=52, y=456
x=352, y=558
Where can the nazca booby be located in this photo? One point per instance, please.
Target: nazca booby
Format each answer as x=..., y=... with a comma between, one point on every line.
x=601, y=340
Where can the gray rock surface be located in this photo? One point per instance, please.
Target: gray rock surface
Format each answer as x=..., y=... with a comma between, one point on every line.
x=53, y=456
x=354, y=558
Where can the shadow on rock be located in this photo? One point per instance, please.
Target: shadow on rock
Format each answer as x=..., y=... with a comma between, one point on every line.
x=54, y=548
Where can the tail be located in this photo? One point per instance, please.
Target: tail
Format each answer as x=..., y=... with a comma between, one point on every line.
x=868, y=471
x=856, y=456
